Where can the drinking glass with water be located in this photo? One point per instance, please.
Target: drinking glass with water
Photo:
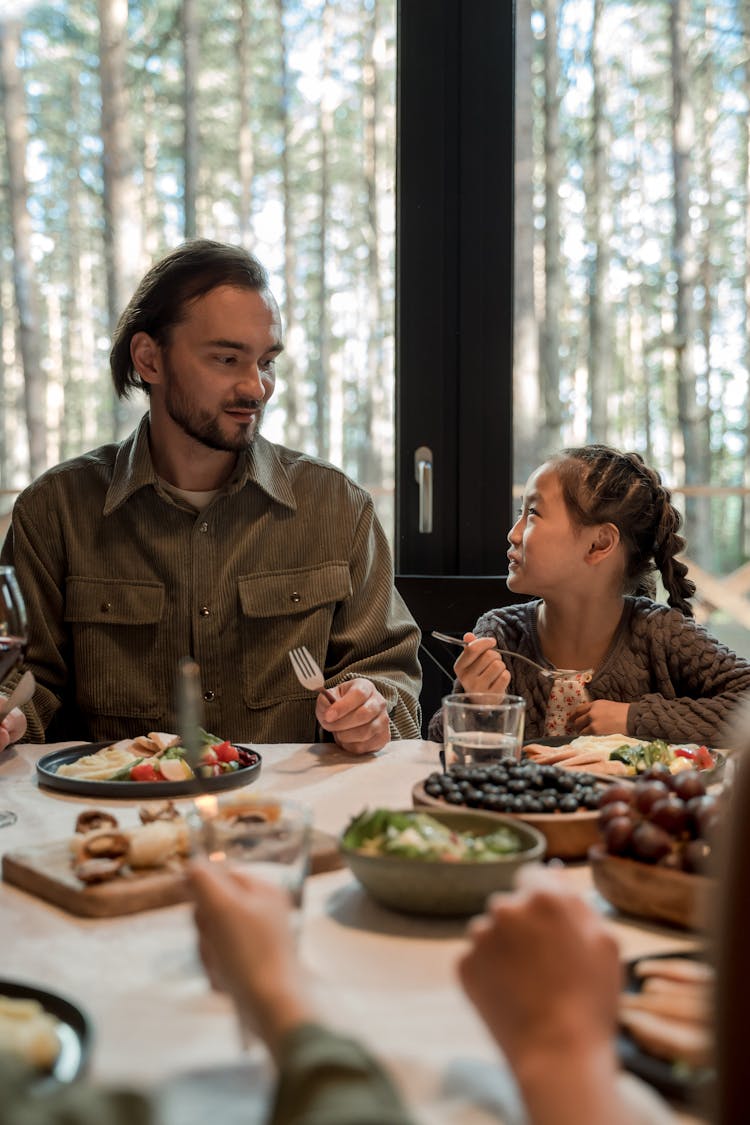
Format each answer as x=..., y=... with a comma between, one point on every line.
x=482, y=727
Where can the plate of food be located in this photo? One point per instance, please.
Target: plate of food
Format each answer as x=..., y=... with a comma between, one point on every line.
x=621, y=755
x=152, y=765
x=665, y=1024
x=46, y=1030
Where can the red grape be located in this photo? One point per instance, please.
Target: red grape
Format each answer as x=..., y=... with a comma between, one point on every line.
x=647, y=793
x=650, y=843
x=689, y=784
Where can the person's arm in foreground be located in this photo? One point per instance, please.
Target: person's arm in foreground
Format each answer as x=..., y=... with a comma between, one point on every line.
x=544, y=976
x=248, y=951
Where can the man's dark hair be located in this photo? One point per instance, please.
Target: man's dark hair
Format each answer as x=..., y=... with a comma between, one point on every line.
x=160, y=301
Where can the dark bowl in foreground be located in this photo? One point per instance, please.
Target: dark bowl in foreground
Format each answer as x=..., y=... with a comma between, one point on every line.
x=418, y=886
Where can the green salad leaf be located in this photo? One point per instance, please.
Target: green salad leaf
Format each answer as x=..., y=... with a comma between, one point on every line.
x=416, y=835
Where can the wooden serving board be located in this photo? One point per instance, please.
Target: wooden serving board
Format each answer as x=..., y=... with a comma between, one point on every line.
x=568, y=835
x=45, y=870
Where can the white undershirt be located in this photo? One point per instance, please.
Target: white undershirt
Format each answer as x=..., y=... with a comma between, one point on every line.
x=197, y=500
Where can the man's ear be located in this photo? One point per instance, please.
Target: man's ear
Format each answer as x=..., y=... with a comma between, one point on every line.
x=146, y=356
x=603, y=542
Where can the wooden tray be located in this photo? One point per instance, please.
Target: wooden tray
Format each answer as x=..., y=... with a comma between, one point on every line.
x=45, y=871
x=649, y=891
x=568, y=835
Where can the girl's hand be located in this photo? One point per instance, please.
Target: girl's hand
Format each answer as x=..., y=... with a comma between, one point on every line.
x=601, y=716
x=12, y=728
x=480, y=666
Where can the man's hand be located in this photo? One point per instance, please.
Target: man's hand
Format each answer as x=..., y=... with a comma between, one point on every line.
x=601, y=716
x=247, y=948
x=358, y=720
x=12, y=728
x=480, y=666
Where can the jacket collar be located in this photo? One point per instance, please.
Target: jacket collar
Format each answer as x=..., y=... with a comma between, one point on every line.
x=260, y=465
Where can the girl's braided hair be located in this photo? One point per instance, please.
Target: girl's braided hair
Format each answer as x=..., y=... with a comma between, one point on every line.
x=602, y=485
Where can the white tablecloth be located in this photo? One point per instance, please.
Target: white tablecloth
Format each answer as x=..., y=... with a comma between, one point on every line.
x=385, y=977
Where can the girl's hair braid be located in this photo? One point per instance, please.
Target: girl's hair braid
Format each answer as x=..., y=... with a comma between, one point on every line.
x=602, y=485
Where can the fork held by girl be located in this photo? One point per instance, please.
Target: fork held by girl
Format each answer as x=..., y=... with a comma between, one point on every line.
x=595, y=526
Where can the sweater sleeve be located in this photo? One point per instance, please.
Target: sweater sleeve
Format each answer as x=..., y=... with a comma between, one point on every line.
x=698, y=682
x=328, y=1079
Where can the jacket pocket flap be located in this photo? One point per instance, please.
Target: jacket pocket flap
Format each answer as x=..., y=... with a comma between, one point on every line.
x=113, y=601
x=288, y=592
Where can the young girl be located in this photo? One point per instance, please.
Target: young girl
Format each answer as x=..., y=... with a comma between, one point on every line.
x=594, y=526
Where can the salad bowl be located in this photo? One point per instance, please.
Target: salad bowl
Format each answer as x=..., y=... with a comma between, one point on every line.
x=441, y=886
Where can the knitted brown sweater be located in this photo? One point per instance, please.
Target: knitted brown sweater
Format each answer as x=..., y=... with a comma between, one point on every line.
x=681, y=682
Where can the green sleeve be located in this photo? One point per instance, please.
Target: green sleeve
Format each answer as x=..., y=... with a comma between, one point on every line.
x=328, y=1079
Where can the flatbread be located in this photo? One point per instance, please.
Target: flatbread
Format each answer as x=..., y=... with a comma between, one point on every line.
x=101, y=765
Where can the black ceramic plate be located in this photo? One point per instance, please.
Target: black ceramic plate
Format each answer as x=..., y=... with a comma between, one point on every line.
x=47, y=775
x=74, y=1030
x=675, y=1081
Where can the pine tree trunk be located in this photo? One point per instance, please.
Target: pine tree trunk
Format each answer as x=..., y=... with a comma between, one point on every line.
x=327, y=392
x=24, y=287
x=122, y=232
x=692, y=416
x=191, y=141
x=600, y=232
x=245, y=153
x=290, y=397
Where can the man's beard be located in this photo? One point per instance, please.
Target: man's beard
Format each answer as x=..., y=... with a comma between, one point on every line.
x=205, y=427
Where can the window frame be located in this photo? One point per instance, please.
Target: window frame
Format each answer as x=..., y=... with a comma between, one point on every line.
x=454, y=281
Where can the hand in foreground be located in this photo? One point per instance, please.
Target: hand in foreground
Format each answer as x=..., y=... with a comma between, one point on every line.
x=247, y=948
x=480, y=666
x=601, y=716
x=358, y=720
x=12, y=728
x=544, y=975
x=541, y=969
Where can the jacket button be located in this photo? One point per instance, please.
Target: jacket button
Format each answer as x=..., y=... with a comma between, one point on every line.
x=203, y=527
x=295, y=597
x=208, y=696
x=106, y=607
x=205, y=611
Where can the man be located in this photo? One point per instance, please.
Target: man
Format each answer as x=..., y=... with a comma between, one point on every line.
x=197, y=536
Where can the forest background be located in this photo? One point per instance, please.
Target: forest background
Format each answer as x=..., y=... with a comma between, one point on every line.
x=128, y=126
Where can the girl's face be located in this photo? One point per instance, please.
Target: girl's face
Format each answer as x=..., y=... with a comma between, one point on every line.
x=547, y=550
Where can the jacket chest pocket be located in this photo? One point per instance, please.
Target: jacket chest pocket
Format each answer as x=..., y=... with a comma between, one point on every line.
x=119, y=665
x=280, y=611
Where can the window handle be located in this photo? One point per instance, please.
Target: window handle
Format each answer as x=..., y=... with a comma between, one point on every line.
x=423, y=477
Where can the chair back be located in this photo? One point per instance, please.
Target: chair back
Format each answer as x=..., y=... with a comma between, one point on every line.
x=451, y=603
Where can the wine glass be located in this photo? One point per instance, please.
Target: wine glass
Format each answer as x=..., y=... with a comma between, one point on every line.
x=12, y=641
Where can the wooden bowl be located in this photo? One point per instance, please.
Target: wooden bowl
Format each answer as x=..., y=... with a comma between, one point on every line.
x=647, y=890
x=568, y=835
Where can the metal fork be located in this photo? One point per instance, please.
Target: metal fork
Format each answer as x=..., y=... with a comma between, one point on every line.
x=308, y=672
x=550, y=673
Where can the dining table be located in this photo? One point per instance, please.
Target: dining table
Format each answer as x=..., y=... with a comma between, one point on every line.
x=387, y=978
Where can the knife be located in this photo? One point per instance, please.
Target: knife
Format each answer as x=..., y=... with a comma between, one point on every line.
x=190, y=710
